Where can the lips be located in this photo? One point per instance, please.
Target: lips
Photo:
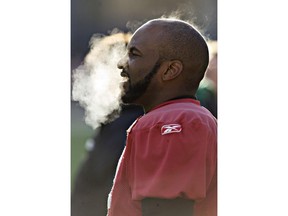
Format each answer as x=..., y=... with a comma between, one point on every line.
x=125, y=82
x=124, y=74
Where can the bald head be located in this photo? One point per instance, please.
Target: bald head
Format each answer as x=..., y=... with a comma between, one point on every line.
x=179, y=40
x=165, y=59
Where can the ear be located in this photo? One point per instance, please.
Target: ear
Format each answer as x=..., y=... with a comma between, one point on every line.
x=174, y=69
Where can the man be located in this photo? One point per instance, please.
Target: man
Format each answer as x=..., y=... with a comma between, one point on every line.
x=168, y=166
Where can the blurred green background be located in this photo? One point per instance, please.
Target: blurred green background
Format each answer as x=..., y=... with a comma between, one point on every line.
x=80, y=132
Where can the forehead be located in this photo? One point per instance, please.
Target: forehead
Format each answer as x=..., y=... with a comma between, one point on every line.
x=146, y=38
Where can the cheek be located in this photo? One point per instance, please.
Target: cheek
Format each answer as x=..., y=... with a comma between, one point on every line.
x=136, y=72
x=138, y=69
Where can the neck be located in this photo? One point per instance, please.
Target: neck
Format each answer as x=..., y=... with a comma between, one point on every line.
x=155, y=102
x=162, y=93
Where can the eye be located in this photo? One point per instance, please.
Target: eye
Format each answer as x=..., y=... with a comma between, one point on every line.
x=133, y=52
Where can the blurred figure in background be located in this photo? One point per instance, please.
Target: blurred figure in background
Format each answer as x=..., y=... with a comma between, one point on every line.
x=207, y=91
x=94, y=178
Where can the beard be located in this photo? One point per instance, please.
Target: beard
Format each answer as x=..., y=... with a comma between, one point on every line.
x=137, y=90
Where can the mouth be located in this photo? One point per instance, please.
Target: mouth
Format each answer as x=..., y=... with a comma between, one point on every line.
x=124, y=74
x=125, y=80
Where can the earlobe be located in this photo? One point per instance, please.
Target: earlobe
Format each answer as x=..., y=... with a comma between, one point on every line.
x=174, y=70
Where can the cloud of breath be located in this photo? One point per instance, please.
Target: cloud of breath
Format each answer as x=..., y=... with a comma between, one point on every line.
x=97, y=82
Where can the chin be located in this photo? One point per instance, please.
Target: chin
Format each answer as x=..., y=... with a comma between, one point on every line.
x=126, y=99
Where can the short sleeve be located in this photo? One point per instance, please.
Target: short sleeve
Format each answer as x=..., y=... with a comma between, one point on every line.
x=174, y=164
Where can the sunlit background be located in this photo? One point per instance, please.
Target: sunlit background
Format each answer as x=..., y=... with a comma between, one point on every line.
x=102, y=16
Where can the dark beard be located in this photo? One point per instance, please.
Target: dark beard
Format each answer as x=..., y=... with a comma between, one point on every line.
x=137, y=90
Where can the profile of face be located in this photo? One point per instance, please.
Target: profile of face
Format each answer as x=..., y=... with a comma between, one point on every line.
x=132, y=92
x=139, y=65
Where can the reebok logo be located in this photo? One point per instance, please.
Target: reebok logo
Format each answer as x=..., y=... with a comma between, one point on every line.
x=171, y=128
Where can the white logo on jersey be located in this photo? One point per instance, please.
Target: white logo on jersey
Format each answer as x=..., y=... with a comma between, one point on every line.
x=171, y=128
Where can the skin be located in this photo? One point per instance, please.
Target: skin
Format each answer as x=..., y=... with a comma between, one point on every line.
x=144, y=57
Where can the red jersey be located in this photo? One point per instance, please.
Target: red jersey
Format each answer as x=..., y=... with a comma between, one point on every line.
x=170, y=152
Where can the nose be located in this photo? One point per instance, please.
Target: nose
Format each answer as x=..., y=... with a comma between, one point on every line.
x=123, y=62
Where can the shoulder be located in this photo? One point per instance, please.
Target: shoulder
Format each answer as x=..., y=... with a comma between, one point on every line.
x=177, y=113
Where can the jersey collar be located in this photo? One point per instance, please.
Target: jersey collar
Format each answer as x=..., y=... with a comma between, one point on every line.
x=181, y=99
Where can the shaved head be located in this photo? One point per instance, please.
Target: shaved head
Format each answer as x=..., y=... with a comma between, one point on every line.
x=179, y=40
